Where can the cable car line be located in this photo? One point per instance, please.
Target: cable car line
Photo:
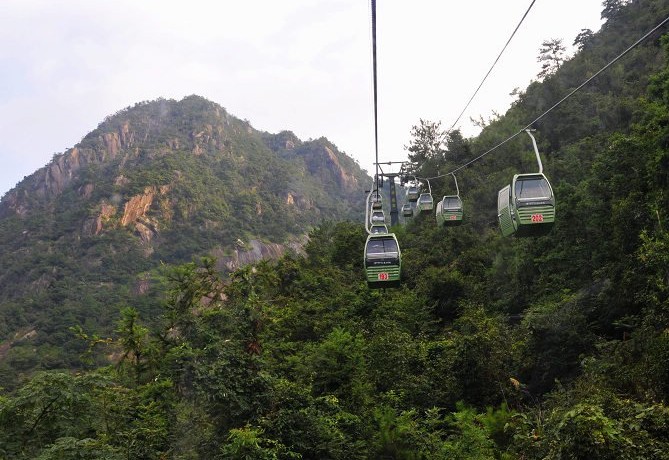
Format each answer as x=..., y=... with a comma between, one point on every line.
x=571, y=93
x=492, y=66
x=376, y=122
x=382, y=256
x=634, y=45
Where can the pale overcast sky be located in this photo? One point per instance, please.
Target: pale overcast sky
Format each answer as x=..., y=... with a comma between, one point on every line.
x=299, y=65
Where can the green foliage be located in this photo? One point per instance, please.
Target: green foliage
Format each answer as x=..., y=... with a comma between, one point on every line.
x=544, y=348
x=551, y=56
x=79, y=449
x=338, y=367
x=397, y=436
x=63, y=416
x=601, y=425
x=471, y=438
x=133, y=340
x=248, y=444
x=314, y=426
x=426, y=148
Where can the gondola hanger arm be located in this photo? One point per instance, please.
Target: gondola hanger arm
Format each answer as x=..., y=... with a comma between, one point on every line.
x=457, y=189
x=536, y=150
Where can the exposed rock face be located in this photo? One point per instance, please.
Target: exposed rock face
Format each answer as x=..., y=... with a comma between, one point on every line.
x=138, y=206
x=121, y=181
x=300, y=202
x=143, y=284
x=146, y=229
x=134, y=213
x=59, y=173
x=94, y=225
x=19, y=336
x=285, y=140
x=86, y=191
x=256, y=252
x=136, y=209
x=344, y=179
x=12, y=203
x=115, y=141
x=324, y=163
x=52, y=180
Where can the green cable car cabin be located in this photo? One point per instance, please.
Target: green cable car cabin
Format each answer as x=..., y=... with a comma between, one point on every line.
x=383, y=261
x=378, y=228
x=413, y=194
x=377, y=218
x=377, y=201
x=407, y=210
x=425, y=202
x=449, y=211
x=527, y=206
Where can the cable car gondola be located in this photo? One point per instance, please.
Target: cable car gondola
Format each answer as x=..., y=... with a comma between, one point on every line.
x=414, y=191
x=449, y=209
x=377, y=217
x=407, y=210
x=377, y=228
x=383, y=261
x=425, y=202
x=377, y=201
x=526, y=207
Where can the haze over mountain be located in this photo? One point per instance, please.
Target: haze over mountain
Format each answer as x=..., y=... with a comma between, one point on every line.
x=160, y=182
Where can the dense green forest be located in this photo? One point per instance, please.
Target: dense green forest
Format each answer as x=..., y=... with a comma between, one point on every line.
x=554, y=347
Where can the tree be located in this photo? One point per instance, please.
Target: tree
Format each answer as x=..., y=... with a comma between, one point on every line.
x=50, y=406
x=458, y=147
x=134, y=340
x=426, y=147
x=583, y=39
x=612, y=8
x=551, y=56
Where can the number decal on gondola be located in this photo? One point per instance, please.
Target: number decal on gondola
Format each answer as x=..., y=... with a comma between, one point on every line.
x=453, y=217
x=383, y=276
x=537, y=217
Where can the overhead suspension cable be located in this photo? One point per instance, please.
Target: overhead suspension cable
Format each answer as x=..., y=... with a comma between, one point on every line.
x=571, y=93
x=492, y=66
x=376, y=123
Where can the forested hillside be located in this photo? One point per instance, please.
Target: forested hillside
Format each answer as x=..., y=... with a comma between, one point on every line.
x=157, y=183
x=555, y=347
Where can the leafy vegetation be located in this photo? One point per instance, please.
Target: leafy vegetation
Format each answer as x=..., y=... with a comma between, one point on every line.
x=160, y=182
x=542, y=348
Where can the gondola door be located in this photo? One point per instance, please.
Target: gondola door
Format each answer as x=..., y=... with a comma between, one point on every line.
x=504, y=211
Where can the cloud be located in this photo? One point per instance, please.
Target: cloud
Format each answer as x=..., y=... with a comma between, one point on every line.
x=289, y=64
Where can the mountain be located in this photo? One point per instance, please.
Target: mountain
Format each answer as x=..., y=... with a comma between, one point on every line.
x=160, y=182
x=549, y=347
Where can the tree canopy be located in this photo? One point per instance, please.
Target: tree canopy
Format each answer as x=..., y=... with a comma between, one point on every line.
x=536, y=348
